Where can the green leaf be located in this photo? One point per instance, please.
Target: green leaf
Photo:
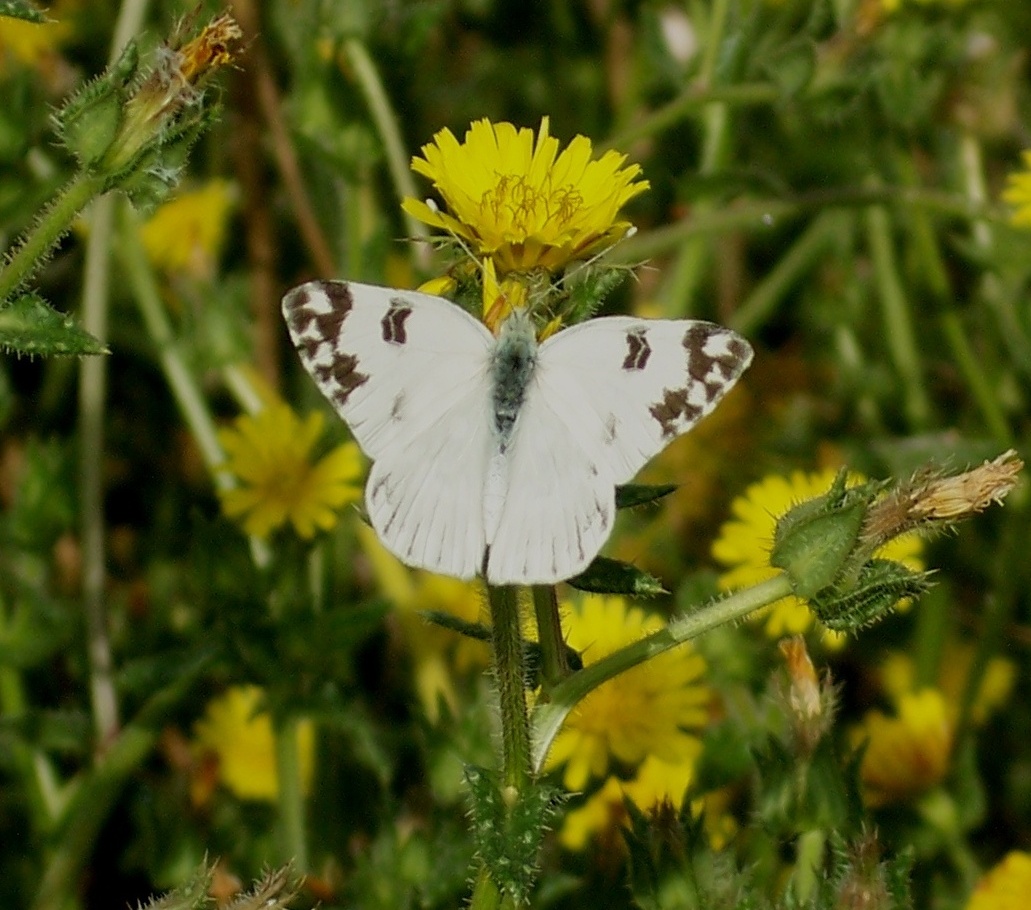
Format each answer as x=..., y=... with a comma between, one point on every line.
x=610, y=576
x=21, y=9
x=29, y=326
x=639, y=494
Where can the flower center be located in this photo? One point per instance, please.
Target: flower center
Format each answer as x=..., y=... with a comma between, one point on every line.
x=528, y=207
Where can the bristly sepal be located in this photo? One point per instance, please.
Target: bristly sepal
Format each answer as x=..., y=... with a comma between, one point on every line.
x=881, y=584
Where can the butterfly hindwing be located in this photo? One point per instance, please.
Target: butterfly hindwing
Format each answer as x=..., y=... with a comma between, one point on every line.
x=606, y=396
x=409, y=374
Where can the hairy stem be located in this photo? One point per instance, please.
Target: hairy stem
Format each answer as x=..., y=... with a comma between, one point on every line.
x=548, y=718
x=510, y=677
x=55, y=221
x=554, y=666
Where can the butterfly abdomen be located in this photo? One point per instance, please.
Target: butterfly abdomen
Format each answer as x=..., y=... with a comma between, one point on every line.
x=512, y=365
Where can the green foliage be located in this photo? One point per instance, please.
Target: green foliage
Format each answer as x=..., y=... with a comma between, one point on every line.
x=610, y=576
x=21, y=9
x=29, y=326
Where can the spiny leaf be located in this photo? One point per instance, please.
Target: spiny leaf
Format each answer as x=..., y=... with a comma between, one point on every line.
x=29, y=326
x=639, y=494
x=21, y=9
x=610, y=576
x=508, y=827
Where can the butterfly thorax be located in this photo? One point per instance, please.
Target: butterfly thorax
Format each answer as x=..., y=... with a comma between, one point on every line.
x=512, y=365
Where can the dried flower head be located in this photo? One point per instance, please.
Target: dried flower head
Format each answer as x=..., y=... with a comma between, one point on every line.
x=932, y=500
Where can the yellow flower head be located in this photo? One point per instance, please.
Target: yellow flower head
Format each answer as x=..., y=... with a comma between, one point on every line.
x=1018, y=194
x=898, y=676
x=437, y=654
x=906, y=754
x=744, y=543
x=519, y=201
x=238, y=732
x=649, y=710
x=269, y=453
x=1006, y=886
x=186, y=233
x=656, y=784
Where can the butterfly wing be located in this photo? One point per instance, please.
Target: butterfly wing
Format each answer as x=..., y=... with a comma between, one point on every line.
x=606, y=396
x=409, y=374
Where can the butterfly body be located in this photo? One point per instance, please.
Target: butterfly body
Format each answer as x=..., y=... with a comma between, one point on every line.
x=498, y=456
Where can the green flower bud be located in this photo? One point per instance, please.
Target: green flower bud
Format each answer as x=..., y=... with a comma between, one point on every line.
x=90, y=121
x=814, y=541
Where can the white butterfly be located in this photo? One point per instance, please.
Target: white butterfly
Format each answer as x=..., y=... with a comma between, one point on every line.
x=496, y=456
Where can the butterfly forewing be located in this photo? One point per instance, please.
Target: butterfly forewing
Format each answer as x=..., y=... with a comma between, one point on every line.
x=606, y=396
x=408, y=372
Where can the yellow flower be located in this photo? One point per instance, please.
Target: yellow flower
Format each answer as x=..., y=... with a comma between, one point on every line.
x=744, y=543
x=898, y=676
x=270, y=454
x=238, y=731
x=437, y=654
x=520, y=202
x=186, y=233
x=906, y=754
x=1018, y=194
x=1004, y=887
x=657, y=785
x=648, y=710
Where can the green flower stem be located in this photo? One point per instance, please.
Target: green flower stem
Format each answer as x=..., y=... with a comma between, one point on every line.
x=1011, y=328
x=764, y=215
x=554, y=667
x=548, y=718
x=181, y=381
x=510, y=678
x=390, y=134
x=51, y=227
x=799, y=258
x=92, y=407
x=293, y=830
x=898, y=323
x=694, y=99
